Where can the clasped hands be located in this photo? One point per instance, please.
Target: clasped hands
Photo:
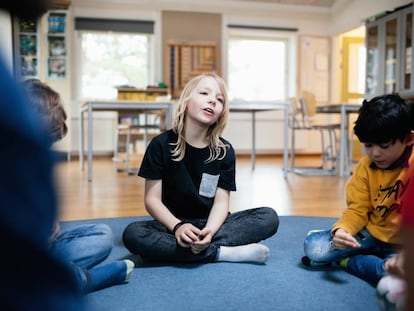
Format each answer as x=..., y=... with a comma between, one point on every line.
x=189, y=236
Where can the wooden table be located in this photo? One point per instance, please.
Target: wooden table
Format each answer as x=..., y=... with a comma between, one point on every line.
x=345, y=159
x=116, y=106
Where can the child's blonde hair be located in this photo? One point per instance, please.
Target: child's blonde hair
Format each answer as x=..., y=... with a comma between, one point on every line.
x=216, y=146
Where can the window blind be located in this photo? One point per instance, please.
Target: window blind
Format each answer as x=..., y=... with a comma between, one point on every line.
x=261, y=27
x=116, y=25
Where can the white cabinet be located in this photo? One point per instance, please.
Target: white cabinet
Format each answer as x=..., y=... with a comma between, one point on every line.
x=389, y=57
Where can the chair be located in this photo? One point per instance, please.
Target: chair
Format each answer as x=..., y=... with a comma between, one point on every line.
x=303, y=118
x=133, y=130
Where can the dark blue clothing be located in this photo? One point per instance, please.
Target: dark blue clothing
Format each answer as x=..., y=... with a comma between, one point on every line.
x=31, y=279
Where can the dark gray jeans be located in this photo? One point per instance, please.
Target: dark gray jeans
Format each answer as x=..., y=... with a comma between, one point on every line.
x=153, y=241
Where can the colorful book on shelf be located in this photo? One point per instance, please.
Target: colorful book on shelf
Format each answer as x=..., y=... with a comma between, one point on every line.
x=57, y=22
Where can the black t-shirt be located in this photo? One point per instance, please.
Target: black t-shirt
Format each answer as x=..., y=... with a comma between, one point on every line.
x=188, y=186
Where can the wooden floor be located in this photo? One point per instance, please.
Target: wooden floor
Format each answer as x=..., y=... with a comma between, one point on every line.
x=117, y=194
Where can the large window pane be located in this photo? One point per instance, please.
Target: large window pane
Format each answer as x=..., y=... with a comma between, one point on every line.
x=113, y=59
x=257, y=68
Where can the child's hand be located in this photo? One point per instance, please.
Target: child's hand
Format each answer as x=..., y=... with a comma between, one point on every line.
x=344, y=240
x=187, y=234
x=204, y=240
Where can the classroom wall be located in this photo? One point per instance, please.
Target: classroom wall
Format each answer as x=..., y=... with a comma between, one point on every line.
x=209, y=20
x=190, y=26
x=352, y=15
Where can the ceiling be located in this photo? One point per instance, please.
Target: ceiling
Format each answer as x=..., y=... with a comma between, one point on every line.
x=316, y=8
x=316, y=3
x=321, y=4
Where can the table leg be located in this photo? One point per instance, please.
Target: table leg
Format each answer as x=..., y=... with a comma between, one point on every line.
x=90, y=126
x=253, y=156
x=286, y=142
x=348, y=159
x=343, y=162
x=170, y=112
x=81, y=141
x=343, y=142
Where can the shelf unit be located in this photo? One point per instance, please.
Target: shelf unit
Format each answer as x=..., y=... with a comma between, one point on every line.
x=56, y=44
x=40, y=53
x=49, y=56
x=389, y=58
x=187, y=60
x=26, y=46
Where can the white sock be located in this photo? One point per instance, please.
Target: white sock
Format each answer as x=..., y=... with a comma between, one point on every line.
x=391, y=293
x=130, y=267
x=255, y=252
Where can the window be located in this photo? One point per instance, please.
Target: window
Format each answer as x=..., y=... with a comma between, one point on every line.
x=112, y=53
x=258, y=61
x=113, y=59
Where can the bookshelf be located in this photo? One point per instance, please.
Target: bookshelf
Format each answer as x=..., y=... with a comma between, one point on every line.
x=56, y=42
x=26, y=48
x=41, y=50
x=40, y=46
x=187, y=60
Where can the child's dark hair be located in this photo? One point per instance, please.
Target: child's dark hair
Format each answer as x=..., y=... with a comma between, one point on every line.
x=383, y=119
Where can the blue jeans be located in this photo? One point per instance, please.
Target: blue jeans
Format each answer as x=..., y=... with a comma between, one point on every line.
x=154, y=242
x=84, y=247
x=365, y=262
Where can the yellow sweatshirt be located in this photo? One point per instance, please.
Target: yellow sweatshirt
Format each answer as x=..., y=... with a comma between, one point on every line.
x=373, y=198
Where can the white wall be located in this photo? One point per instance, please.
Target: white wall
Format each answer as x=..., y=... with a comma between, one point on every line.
x=353, y=15
x=268, y=122
x=348, y=15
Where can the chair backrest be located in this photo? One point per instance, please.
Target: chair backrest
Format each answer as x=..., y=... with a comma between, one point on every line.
x=296, y=116
x=309, y=101
x=308, y=108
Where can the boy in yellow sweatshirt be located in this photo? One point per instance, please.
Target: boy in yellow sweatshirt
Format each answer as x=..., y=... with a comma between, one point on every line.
x=367, y=232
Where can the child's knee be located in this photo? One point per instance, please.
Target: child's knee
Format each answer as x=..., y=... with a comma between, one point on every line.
x=316, y=246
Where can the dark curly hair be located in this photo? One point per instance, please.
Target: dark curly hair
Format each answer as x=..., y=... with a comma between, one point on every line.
x=383, y=119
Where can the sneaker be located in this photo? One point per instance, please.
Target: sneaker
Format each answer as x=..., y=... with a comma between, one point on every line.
x=306, y=261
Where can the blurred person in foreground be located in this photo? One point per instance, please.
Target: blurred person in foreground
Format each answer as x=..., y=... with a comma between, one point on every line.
x=31, y=279
x=395, y=291
x=84, y=247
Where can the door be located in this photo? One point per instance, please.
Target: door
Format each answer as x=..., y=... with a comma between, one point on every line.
x=353, y=68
